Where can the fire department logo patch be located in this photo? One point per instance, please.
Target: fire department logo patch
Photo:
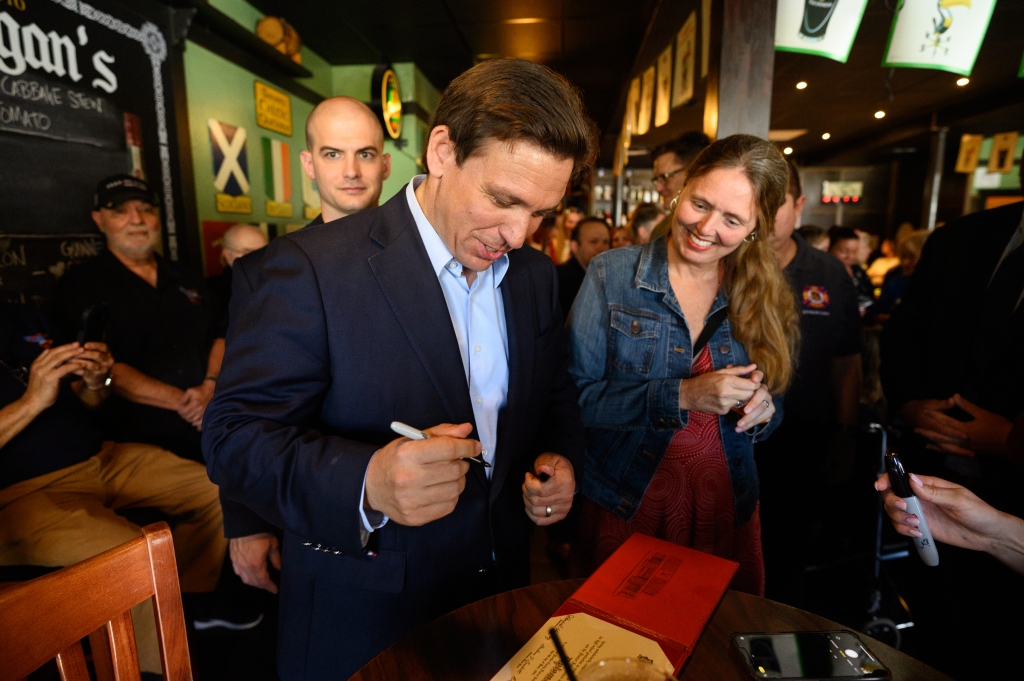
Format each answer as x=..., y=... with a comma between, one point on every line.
x=815, y=297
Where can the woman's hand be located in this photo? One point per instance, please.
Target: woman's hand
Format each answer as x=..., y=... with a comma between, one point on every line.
x=760, y=409
x=718, y=392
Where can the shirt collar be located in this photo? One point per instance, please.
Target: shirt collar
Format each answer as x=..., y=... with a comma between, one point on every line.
x=440, y=257
x=652, y=272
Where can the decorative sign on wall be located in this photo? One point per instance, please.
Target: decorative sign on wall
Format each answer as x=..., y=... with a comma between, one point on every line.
x=686, y=60
x=970, y=151
x=643, y=119
x=277, y=177
x=310, y=197
x=945, y=35
x=273, y=109
x=822, y=27
x=1004, y=147
x=386, y=100
x=663, y=101
x=705, y=38
x=230, y=167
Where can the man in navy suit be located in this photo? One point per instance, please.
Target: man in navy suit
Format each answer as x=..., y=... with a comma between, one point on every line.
x=427, y=311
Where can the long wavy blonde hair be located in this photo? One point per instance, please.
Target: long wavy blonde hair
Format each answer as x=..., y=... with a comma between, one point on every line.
x=762, y=310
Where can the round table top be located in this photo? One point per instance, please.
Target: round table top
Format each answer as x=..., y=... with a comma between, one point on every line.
x=474, y=642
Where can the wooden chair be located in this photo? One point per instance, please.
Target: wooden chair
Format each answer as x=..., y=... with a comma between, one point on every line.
x=48, y=617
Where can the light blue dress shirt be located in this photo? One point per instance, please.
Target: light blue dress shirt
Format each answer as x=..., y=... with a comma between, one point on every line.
x=478, y=318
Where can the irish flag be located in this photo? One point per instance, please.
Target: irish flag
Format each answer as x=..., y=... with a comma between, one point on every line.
x=277, y=171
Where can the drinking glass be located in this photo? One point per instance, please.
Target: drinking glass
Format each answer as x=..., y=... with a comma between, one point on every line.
x=623, y=669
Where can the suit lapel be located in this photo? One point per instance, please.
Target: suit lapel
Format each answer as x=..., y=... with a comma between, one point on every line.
x=517, y=299
x=407, y=281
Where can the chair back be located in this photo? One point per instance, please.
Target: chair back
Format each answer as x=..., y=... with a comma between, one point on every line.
x=48, y=617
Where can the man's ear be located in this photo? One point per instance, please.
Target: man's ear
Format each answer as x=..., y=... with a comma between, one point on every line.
x=440, y=151
x=387, y=166
x=573, y=247
x=96, y=219
x=307, y=163
x=798, y=205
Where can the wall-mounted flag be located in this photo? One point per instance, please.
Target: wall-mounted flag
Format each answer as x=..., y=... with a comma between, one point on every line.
x=277, y=177
x=944, y=35
x=230, y=167
x=310, y=197
x=822, y=27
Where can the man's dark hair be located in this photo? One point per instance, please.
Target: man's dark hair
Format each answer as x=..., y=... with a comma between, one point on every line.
x=837, y=234
x=685, y=147
x=647, y=214
x=515, y=100
x=793, y=188
x=577, y=231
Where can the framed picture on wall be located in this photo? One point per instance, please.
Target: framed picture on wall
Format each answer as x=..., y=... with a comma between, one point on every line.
x=686, y=60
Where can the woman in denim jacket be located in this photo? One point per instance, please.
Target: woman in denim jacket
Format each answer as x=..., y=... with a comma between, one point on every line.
x=672, y=414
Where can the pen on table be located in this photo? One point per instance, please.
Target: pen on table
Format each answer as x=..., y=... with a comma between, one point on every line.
x=414, y=434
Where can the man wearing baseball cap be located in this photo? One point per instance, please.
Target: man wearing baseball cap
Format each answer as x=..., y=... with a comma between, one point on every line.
x=162, y=326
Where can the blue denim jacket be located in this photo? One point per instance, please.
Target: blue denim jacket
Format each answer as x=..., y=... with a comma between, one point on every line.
x=629, y=349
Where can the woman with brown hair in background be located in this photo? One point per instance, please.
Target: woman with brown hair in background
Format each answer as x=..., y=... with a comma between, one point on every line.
x=680, y=350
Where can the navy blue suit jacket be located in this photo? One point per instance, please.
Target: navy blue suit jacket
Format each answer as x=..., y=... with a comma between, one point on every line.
x=346, y=331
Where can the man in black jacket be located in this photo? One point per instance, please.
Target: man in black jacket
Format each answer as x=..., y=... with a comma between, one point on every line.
x=959, y=334
x=426, y=311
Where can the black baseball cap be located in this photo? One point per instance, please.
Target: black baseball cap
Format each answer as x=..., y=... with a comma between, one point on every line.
x=116, y=189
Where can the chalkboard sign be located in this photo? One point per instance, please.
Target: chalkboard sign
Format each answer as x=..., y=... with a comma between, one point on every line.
x=83, y=94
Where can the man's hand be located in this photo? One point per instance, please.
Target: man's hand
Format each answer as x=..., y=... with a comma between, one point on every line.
x=46, y=373
x=416, y=481
x=988, y=432
x=929, y=420
x=96, y=364
x=555, y=492
x=717, y=392
x=250, y=556
x=193, y=403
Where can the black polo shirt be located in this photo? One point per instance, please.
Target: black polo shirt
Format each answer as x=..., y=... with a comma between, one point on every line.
x=61, y=436
x=570, y=279
x=165, y=332
x=829, y=327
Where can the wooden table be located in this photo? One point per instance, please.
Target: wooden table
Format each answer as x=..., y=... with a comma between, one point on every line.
x=474, y=642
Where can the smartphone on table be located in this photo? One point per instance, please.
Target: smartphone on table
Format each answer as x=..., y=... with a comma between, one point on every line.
x=808, y=655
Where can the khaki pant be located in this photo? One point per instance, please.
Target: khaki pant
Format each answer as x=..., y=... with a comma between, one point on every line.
x=67, y=516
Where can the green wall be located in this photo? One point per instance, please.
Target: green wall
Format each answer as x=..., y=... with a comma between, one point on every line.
x=217, y=88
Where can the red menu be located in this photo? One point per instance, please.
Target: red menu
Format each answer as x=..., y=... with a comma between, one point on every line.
x=659, y=590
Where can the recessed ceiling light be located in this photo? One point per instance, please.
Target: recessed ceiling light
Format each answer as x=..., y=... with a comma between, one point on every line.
x=525, y=20
x=825, y=136
x=801, y=85
x=963, y=81
x=787, y=151
x=879, y=114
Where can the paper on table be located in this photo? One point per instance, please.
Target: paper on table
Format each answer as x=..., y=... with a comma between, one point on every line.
x=586, y=639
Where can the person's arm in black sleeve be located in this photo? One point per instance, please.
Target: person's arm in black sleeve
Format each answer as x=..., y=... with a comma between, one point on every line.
x=260, y=439
x=902, y=362
x=561, y=430
x=847, y=369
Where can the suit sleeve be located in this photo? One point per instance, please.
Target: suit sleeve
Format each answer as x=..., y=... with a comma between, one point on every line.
x=902, y=362
x=261, y=435
x=561, y=430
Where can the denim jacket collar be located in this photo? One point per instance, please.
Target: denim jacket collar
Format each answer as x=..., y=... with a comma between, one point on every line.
x=652, y=274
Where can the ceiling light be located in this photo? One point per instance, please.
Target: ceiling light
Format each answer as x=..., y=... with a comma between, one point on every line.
x=825, y=136
x=526, y=20
x=785, y=135
x=787, y=151
x=963, y=81
x=801, y=85
x=879, y=114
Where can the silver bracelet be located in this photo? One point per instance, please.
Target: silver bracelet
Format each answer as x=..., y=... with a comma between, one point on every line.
x=106, y=384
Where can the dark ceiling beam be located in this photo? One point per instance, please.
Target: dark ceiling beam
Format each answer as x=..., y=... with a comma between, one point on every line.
x=912, y=126
x=458, y=31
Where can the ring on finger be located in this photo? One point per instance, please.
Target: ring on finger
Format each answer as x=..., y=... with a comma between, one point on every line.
x=739, y=404
x=766, y=404
x=547, y=511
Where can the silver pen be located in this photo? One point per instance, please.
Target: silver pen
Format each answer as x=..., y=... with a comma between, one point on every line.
x=414, y=434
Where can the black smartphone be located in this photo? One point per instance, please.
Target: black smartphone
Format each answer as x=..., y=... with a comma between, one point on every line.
x=93, y=326
x=808, y=655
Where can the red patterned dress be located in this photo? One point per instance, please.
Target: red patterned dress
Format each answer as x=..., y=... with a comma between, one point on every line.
x=689, y=502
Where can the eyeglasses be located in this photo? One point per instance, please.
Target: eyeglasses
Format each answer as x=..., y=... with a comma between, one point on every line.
x=665, y=177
